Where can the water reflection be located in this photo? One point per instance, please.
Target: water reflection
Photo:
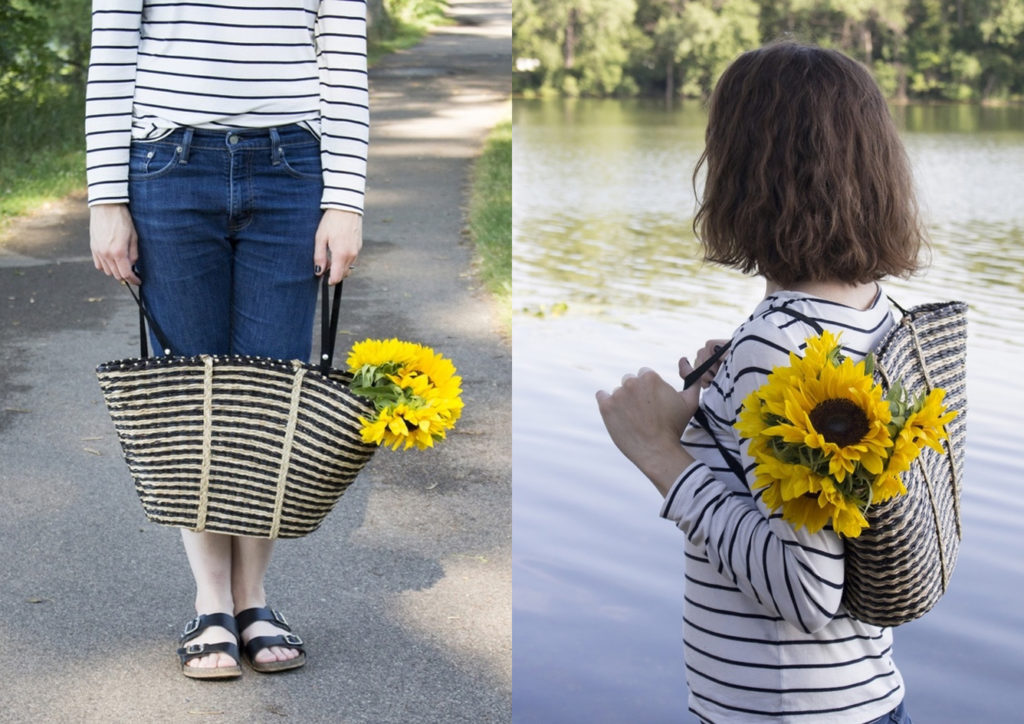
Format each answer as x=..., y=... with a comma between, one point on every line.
x=605, y=207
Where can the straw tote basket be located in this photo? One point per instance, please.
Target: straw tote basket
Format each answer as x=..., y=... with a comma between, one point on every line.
x=238, y=445
x=899, y=567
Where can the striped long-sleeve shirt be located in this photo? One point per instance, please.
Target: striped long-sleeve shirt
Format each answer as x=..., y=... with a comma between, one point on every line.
x=160, y=64
x=766, y=637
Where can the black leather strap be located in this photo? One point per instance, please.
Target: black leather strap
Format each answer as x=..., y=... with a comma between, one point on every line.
x=328, y=324
x=695, y=376
x=144, y=318
x=701, y=418
x=329, y=314
x=204, y=621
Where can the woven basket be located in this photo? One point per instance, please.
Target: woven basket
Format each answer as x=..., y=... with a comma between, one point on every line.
x=238, y=445
x=899, y=566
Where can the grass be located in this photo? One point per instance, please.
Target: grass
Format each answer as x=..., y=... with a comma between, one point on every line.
x=490, y=214
x=43, y=158
x=408, y=21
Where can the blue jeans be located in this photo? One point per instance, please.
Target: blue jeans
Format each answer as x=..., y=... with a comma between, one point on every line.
x=898, y=715
x=226, y=223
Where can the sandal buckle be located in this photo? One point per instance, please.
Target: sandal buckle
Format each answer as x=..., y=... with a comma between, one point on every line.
x=192, y=649
x=292, y=640
x=191, y=627
x=279, y=617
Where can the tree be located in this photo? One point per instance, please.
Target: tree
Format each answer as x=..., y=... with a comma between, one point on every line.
x=581, y=46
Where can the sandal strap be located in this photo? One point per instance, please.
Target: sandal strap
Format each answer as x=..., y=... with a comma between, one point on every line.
x=204, y=621
x=257, y=644
x=252, y=615
x=193, y=651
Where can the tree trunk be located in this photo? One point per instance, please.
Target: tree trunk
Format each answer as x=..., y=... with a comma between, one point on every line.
x=670, y=81
x=867, y=43
x=569, y=49
x=377, y=20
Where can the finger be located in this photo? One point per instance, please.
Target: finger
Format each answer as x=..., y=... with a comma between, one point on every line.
x=601, y=396
x=320, y=257
x=337, y=272
x=685, y=367
x=123, y=267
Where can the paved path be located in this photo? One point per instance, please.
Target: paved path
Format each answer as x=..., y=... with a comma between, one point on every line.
x=403, y=594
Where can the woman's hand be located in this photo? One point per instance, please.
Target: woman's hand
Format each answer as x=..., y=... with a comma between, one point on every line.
x=706, y=352
x=645, y=418
x=338, y=241
x=113, y=241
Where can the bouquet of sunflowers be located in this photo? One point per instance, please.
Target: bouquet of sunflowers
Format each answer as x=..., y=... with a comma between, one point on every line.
x=829, y=442
x=415, y=391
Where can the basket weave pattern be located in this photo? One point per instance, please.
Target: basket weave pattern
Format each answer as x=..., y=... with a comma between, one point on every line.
x=236, y=445
x=898, y=567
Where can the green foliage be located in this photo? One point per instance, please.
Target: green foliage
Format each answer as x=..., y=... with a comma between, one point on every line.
x=931, y=49
x=490, y=213
x=580, y=47
x=44, y=49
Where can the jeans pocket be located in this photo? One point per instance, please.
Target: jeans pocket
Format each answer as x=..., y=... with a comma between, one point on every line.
x=302, y=161
x=152, y=160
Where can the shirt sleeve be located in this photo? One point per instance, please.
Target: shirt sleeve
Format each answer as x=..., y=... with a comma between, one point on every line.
x=110, y=91
x=344, y=102
x=789, y=573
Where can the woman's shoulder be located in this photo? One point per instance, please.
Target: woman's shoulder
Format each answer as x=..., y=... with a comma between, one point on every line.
x=783, y=322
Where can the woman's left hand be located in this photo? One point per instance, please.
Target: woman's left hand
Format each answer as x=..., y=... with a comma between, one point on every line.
x=338, y=241
x=645, y=418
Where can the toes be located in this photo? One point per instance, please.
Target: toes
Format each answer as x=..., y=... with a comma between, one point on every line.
x=275, y=653
x=212, y=661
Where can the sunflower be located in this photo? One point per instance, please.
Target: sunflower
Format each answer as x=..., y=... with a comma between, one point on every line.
x=828, y=441
x=415, y=391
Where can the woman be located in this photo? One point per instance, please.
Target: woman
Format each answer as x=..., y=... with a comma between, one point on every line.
x=227, y=162
x=807, y=184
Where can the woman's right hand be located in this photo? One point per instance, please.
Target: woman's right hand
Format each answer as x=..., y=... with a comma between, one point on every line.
x=113, y=241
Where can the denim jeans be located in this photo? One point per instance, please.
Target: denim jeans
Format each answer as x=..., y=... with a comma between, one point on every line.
x=226, y=222
x=898, y=715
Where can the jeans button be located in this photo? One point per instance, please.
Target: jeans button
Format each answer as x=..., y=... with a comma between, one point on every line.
x=232, y=139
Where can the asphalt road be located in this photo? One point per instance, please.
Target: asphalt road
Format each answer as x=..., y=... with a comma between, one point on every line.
x=403, y=596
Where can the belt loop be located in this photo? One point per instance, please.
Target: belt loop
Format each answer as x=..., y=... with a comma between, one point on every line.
x=275, y=147
x=186, y=145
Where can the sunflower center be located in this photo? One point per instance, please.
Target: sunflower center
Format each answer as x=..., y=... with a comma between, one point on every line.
x=840, y=421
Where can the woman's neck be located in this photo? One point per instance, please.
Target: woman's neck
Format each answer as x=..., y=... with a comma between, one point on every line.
x=858, y=296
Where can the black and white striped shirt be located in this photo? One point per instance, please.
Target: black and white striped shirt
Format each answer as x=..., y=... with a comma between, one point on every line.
x=765, y=635
x=160, y=64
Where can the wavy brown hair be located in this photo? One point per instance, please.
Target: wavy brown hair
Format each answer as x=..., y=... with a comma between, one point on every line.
x=807, y=179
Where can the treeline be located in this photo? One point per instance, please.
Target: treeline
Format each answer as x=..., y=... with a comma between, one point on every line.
x=958, y=50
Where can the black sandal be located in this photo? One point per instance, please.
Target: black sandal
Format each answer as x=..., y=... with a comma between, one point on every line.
x=188, y=651
x=258, y=643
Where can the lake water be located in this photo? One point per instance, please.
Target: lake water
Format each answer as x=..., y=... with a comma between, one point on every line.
x=607, y=279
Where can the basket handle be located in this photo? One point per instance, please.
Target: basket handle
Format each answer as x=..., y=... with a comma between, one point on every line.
x=329, y=314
